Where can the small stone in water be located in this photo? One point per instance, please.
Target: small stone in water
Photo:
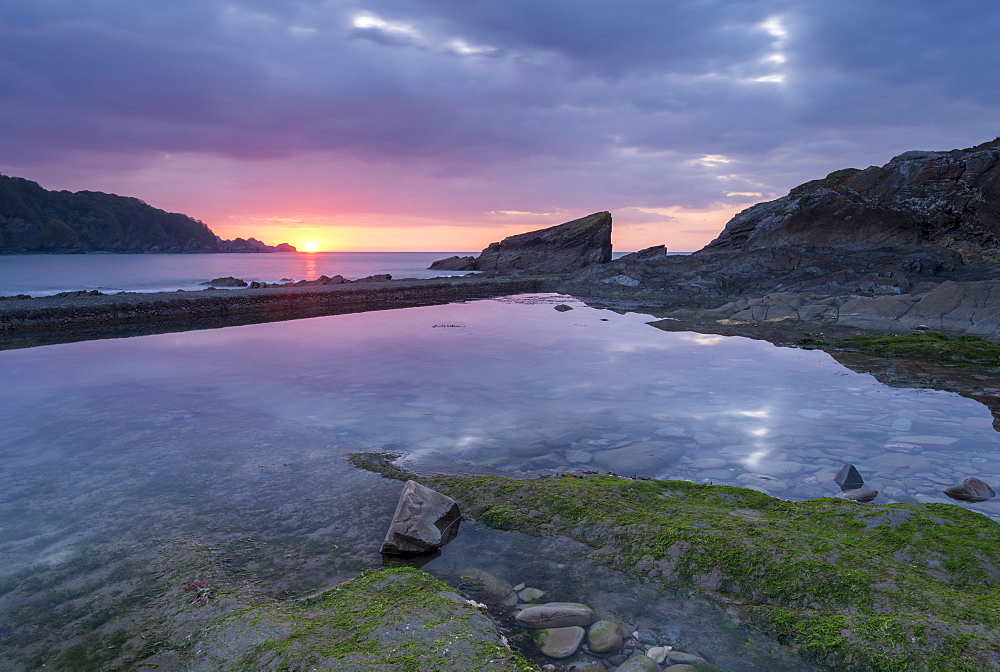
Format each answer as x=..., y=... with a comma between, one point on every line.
x=559, y=642
x=971, y=489
x=530, y=594
x=639, y=662
x=685, y=658
x=658, y=653
x=859, y=494
x=848, y=478
x=604, y=636
x=519, y=587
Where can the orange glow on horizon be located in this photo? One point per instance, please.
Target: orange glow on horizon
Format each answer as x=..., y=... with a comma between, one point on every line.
x=310, y=247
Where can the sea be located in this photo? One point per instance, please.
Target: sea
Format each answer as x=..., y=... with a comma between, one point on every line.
x=48, y=274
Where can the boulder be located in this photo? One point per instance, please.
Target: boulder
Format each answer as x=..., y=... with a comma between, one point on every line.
x=380, y=277
x=848, y=478
x=555, y=615
x=971, y=489
x=454, y=263
x=558, y=249
x=424, y=521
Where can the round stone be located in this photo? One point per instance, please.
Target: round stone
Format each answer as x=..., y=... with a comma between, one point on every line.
x=559, y=642
x=604, y=636
x=658, y=653
x=530, y=594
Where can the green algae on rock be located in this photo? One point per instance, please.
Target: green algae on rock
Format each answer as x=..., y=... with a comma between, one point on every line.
x=386, y=619
x=932, y=345
x=859, y=587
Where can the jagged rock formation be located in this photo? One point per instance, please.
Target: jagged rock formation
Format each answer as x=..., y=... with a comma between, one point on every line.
x=948, y=199
x=558, y=249
x=454, y=263
x=913, y=243
x=34, y=219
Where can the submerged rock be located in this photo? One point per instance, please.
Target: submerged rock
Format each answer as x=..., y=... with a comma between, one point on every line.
x=639, y=662
x=555, y=615
x=604, y=636
x=971, y=489
x=488, y=587
x=425, y=520
x=559, y=642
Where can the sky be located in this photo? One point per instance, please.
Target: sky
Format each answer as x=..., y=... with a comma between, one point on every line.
x=445, y=125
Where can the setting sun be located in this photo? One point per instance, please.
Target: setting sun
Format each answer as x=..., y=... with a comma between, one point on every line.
x=310, y=247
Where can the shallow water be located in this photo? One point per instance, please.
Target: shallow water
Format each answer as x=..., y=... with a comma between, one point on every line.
x=236, y=437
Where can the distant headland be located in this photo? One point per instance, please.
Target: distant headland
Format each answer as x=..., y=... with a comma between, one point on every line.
x=36, y=220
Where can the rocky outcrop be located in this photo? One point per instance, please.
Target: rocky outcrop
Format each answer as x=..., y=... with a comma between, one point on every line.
x=558, y=249
x=947, y=199
x=454, y=263
x=249, y=245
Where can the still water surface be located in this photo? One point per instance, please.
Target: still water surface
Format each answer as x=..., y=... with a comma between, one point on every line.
x=110, y=447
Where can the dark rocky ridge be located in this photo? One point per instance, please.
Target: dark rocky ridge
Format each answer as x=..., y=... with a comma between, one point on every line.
x=948, y=199
x=558, y=249
x=36, y=220
x=908, y=244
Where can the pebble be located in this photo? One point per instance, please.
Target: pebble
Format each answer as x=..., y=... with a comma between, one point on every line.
x=685, y=658
x=639, y=662
x=530, y=594
x=859, y=494
x=658, y=653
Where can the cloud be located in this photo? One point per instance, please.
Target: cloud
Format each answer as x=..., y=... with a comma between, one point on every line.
x=428, y=106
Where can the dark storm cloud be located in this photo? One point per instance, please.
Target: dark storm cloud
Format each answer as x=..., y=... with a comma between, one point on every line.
x=555, y=100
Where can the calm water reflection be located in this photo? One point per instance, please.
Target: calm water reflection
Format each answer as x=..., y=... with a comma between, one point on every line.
x=110, y=445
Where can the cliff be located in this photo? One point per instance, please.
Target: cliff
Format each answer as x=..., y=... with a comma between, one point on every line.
x=34, y=219
x=947, y=199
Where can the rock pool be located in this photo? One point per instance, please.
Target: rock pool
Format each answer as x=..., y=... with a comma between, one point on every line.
x=235, y=439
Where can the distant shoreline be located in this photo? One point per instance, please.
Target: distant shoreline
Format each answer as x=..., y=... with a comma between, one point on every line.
x=39, y=321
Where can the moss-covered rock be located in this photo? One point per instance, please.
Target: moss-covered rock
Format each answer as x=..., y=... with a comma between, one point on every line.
x=859, y=587
x=399, y=619
x=932, y=345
